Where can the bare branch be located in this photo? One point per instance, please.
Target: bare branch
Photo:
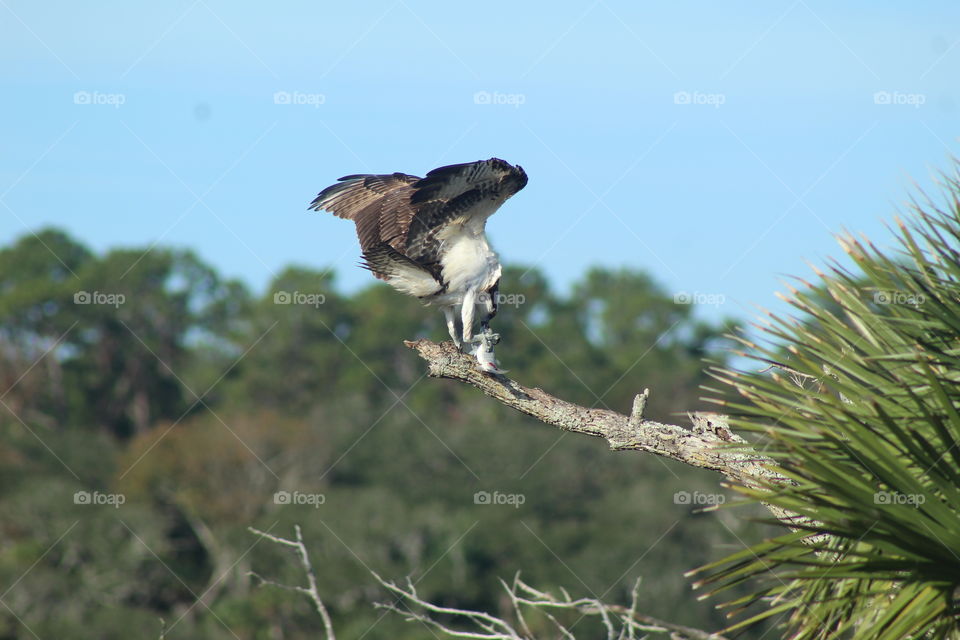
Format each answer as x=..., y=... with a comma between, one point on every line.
x=311, y=589
x=618, y=621
x=485, y=621
x=709, y=444
x=773, y=364
x=515, y=602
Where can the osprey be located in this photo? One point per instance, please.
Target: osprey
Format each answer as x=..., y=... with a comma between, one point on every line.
x=425, y=237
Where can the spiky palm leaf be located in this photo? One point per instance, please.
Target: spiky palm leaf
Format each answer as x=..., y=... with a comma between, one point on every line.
x=866, y=425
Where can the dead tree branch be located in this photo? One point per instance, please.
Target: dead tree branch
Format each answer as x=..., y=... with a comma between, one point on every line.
x=619, y=622
x=311, y=589
x=709, y=444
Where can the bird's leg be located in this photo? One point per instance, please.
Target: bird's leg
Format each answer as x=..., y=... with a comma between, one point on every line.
x=483, y=351
x=448, y=313
x=466, y=315
x=490, y=310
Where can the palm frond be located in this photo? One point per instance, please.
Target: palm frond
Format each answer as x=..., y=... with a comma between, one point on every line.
x=867, y=429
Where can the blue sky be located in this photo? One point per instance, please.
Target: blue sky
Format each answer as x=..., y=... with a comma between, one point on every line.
x=717, y=145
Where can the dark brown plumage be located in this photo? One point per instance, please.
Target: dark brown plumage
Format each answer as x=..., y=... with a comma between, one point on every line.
x=426, y=238
x=407, y=212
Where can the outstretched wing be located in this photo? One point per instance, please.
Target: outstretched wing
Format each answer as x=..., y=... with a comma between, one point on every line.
x=378, y=204
x=407, y=213
x=458, y=191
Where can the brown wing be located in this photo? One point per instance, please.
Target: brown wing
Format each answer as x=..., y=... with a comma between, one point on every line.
x=406, y=212
x=378, y=204
x=455, y=191
x=446, y=183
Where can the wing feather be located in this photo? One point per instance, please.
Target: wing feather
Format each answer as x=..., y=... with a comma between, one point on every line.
x=378, y=204
x=401, y=272
x=407, y=214
x=446, y=183
x=458, y=191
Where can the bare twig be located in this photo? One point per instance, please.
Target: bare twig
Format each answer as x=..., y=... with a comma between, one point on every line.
x=636, y=414
x=490, y=626
x=619, y=622
x=311, y=589
x=779, y=365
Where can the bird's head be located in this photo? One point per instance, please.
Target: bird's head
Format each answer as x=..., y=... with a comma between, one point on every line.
x=513, y=180
x=521, y=178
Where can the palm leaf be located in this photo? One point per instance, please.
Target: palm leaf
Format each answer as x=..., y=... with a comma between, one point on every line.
x=866, y=430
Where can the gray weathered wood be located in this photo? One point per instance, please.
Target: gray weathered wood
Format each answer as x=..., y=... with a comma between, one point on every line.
x=708, y=444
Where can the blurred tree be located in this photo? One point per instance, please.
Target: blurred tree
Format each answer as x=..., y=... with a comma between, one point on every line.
x=130, y=357
x=293, y=354
x=107, y=338
x=305, y=388
x=37, y=276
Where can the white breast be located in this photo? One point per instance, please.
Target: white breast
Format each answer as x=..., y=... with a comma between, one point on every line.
x=468, y=262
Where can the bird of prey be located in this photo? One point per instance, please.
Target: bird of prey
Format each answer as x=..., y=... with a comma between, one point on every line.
x=425, y=237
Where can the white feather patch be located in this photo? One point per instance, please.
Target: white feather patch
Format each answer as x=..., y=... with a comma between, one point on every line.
x=412, y=281
x=468, y=262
